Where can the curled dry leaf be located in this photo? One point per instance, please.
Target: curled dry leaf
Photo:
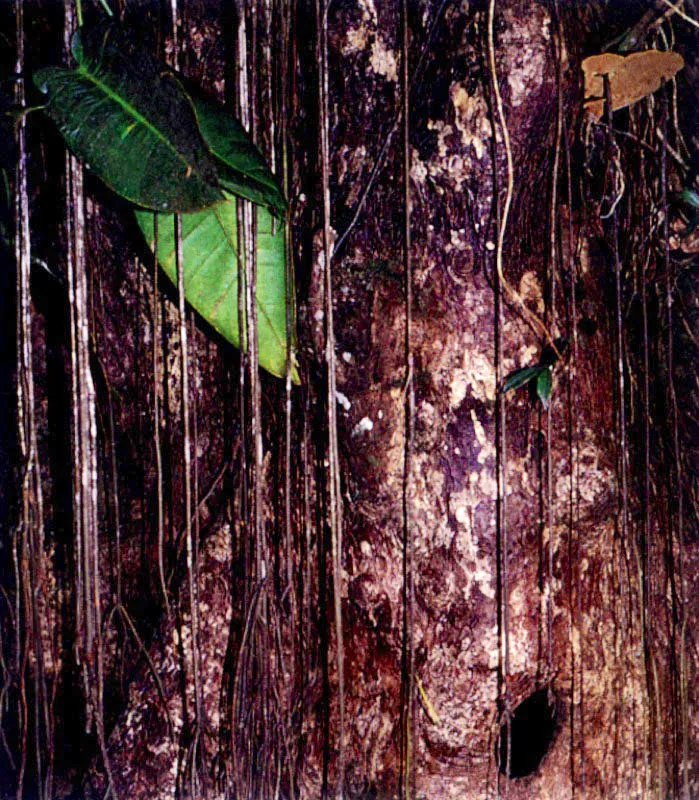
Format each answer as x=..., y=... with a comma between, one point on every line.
x=631, y=77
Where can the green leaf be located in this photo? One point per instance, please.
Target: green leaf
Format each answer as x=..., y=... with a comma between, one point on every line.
x=544, y=385
x=520, y=377
x=242, y=168
x=210, y=247
x=690, y=197
x=128, y=117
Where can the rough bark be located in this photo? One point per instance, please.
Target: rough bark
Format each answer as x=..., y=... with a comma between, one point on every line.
x=606, y=652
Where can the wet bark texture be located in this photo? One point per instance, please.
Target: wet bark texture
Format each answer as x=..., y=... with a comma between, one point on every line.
x=551, y=555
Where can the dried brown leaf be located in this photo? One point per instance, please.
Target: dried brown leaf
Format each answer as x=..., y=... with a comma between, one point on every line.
x=631, y=77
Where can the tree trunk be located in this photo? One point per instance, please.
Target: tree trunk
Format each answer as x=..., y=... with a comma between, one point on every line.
x=517, y=579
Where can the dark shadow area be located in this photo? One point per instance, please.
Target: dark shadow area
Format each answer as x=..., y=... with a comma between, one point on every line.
x=532, y=731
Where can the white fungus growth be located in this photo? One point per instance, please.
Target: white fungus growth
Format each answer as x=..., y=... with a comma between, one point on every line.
x=343, y=400
x=363, y=426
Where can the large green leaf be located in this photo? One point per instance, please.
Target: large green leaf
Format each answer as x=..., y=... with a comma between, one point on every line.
x=148, y=134
x=127, y=116
x=169, y=149
x=211, y=273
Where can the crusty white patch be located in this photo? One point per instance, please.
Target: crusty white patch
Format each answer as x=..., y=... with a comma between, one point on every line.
x=477, y=372
x=383, y=60
x=355, y=40
x=418, y=169
x=530, y=290
x=595, y=478
x=458, y=240
x=466, y=542
x=369, y=12
x=487, y=447
x=471, y=116
x=526, y=65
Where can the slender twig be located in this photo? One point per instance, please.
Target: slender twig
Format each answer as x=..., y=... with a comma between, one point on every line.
x=187, y=448
x=85, y=483
x=576, y=700
x=408, y=770
x=551, y=320
x=287, y=13
x=501, y=284
x=675, y=9
x=157, y=385
x=612, y=161
x=536, y=324
x=321, y=9
x=30, y=533
x=677, y=457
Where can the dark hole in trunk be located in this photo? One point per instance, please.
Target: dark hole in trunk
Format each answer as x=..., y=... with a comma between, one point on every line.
x=532, y=730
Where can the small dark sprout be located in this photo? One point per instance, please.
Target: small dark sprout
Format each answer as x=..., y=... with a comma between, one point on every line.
x=587, y=326
x=532, y=730
x=539, y=377
x=549, y=356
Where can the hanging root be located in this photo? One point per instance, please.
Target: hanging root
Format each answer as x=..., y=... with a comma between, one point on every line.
x=530, y=317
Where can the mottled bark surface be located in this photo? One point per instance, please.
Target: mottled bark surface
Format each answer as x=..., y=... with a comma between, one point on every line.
x=594, y=590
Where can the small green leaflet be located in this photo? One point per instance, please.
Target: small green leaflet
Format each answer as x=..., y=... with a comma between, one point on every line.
x=539, y=376
x=690, y=197
x=544, y=384
x=520, y=377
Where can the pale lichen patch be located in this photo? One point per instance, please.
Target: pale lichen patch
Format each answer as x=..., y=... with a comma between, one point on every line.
x=488, y=484
x=478, y=372
x=527, y=51
x=383, y=60
x=428, y=504
x=527, y=354
x=355, y=40
x=487, y=446
x=418, y=169
x=458, y=388
x=530, y=291
x=471, y=116
x=458, y=240
x=466, y=542
x=596, y=479
x=522, y=636
x=474, y=372
x=369, y=12
x=456, y=167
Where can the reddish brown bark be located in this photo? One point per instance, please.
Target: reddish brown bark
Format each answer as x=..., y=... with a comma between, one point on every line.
x=580, y=625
